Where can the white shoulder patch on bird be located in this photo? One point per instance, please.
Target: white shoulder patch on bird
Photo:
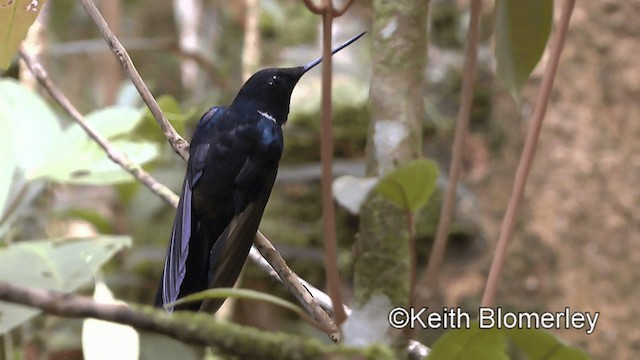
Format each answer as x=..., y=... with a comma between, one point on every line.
x=267, y=115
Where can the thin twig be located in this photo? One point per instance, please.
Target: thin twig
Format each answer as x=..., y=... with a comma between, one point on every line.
x=304, y=297
x=508, y=223
x=320, y=296
x=189, y=327
x=180, y=145
x=464, y=112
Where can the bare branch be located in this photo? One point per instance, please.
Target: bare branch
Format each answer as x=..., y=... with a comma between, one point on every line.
x=180, y=145
x=508, y=223
x=292, y=282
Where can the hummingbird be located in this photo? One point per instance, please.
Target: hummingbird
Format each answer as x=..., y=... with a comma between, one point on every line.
x=233, y=162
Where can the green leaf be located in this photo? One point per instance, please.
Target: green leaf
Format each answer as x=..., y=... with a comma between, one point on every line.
x=34, y=127
x=112, y=122
x=221, y=293
x=91, y=166
x=16, y=17
x=77, y=159
x=470, y=344
x=538, y=344
x=60, y=264
x=522, y=28
x=410, y=186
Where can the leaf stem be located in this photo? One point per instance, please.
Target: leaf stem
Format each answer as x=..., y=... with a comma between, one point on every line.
x=508, y=223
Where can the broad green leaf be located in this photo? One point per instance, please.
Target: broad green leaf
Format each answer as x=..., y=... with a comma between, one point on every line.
x=86, y=163
x=61, y=264
x=107, y=340
x=77, y=159
x=539, y=344
x=470, y=344
x=410, y=186
x=111, y=122
x=522, y=29
x=16, y=16
x=350, y=191
x=221, y=293
x=34, y=127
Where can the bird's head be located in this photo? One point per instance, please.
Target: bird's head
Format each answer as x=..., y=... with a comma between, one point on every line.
x=269, y=90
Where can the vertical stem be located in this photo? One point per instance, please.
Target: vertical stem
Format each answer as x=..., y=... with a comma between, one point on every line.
x=411, y=229
x=413, y=265
x=466, y=97
x=508, y=223
x=326, y=153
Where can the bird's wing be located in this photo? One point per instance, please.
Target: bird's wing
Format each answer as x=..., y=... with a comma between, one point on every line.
x=230, y=251
x=174, y=265
x=175, y=268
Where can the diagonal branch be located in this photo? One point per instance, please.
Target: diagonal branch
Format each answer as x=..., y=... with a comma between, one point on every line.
x=180, y=145
x=304, y=297
x=526, y=158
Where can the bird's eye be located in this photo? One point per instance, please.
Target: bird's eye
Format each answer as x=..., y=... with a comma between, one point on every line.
x=275, y=80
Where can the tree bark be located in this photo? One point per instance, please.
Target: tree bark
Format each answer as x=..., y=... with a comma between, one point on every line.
x=395, y=136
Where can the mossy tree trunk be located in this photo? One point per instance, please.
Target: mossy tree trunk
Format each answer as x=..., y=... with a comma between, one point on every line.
x=395, y=136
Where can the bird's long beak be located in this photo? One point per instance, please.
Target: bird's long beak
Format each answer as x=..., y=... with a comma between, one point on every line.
x=317, y=61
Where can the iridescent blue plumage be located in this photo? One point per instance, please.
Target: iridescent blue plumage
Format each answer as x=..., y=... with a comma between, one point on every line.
x=233, y=163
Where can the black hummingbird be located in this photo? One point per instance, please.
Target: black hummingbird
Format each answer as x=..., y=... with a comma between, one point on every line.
x=232, y=166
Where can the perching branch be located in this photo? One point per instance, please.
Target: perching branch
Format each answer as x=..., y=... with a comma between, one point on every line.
x=291, y=281
x=180, y=145
x=508, y=223
x=194, y=328
x=304, y=297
